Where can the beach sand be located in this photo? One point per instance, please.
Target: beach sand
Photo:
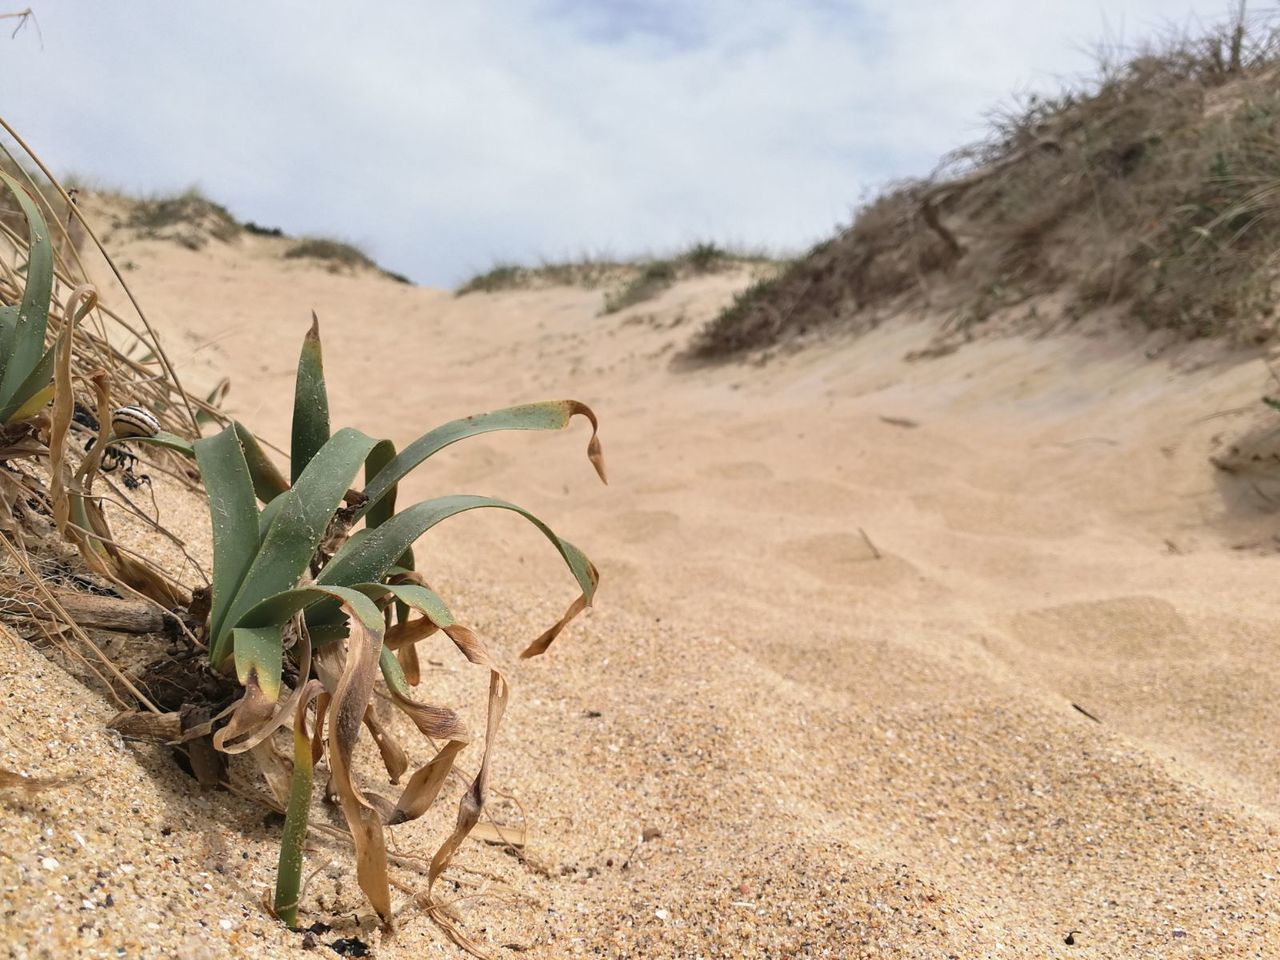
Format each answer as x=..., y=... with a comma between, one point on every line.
x=850, y=606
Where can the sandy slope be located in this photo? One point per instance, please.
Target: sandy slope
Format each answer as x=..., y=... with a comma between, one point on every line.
x=833, y=661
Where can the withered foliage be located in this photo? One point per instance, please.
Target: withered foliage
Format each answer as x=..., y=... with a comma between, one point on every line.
x=1149, y=191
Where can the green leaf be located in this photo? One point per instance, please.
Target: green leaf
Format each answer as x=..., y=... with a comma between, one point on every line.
x=268, y=481
x=22, y=332
x=278, y=608
x=171, y=441
x=393, y=673
x=385, y=508
x=383, y=453
x=289, y=866
x=549, y=415
x=234, y=514
x=424, y=599
x=310, y=403
x=259, y=656
x=293, y=525
x=40, y=378
x=369, y=554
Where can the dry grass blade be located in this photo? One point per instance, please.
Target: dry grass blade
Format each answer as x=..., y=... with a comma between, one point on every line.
x=166, y=388
x=63, y=407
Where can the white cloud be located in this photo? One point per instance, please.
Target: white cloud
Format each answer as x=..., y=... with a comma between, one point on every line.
x=446, y=135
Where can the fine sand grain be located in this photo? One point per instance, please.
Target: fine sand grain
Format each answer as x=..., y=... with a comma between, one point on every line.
x=848, y=604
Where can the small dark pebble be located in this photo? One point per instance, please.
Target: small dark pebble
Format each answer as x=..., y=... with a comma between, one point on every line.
x=166, y=831
x=318, y=927
x=350, y=947
x=593, y=714
x=110, y=901
x=1179, y=933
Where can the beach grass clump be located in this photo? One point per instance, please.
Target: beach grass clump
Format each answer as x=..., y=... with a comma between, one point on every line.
x=652, y=279
x=257, y=230
x=337, y=253
x=588, y=272
x=188, y=218
x=501, y=276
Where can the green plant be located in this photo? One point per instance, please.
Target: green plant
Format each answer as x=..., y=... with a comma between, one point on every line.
x=26, y=367
x=335, y=251
x=502, y=276
x=646, y=285
x=189, y=218
x=291, y=582
x=704, y=256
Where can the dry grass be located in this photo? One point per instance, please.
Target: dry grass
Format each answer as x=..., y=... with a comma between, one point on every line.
x=336, y=252
x=626, y=283
x=188, y=218
x=588, y=272
x=1150, y=189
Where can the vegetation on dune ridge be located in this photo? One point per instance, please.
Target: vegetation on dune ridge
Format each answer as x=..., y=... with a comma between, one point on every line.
x=188, y=218
x=628, y=281
x=191, y=220
x=1150, y=192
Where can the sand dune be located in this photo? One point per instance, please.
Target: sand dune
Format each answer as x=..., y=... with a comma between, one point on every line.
x=848, y=604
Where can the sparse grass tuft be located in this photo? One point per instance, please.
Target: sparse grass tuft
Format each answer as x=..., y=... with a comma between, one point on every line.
x=640, y=279
x=188, y=218
x=704, y=257
x=337, y=253
x=588, y=272
x=260, y=231
x=645, y=285
x=502, y=276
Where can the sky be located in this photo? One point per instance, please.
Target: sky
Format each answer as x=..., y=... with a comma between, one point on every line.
x=447, y=137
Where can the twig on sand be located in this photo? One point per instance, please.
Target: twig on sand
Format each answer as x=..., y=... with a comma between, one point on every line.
x=867, y=540
x=1086, y=712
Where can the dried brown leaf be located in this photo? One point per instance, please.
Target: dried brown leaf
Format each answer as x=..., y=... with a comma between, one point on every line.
x=425, y=784
x=408, y=657
x=347, y=710
x=472, y=802
x=393, y=755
